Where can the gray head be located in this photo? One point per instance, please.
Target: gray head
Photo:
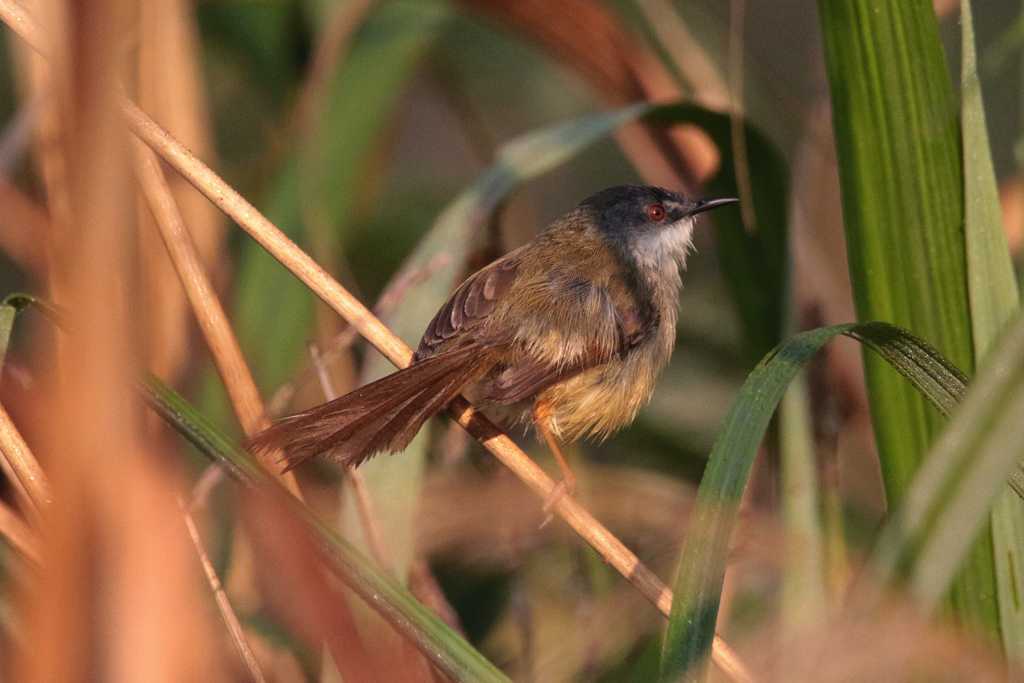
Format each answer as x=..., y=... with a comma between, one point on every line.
x=651, y=224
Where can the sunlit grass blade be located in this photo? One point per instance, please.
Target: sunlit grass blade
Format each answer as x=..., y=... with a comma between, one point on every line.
x=926, y=539
x=443, y=646
x=698, y=584
x=993, y=295
x=898, y=146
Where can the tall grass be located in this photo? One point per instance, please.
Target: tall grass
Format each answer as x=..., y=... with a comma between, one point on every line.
x=366, y=156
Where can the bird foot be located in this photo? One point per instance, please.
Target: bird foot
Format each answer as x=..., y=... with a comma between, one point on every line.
x=564, y=488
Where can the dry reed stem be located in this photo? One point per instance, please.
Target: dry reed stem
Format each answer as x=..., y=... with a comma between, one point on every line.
x=22, y=225
x=364, y=503
x=227, y=613
x=22, y=469
x=169, y=85
x=369, y=326
x=213, y=321
x=18, y=534
x=117, y=592
x=737, y=21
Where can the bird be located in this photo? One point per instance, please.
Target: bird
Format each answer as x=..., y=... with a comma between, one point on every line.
x=567, y=333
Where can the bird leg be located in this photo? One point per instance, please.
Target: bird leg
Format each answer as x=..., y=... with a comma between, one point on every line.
x=541, y=417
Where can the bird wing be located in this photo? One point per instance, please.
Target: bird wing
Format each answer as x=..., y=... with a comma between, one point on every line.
x=470, y=306
x=552, y=322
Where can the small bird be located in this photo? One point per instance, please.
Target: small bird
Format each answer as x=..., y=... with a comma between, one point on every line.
x=568, y=332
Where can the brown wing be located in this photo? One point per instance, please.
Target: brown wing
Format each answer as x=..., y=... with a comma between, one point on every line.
x=474, y=300
x=532, y=374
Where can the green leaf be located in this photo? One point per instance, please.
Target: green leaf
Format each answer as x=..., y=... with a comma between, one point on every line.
x=445, y=648
x=698, y=584
x=993, y=296
x=10, y=307
x=991, y=282
x=947, y=503
x=898, y=147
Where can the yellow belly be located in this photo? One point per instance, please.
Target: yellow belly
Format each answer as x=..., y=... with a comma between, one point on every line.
x=600, y=401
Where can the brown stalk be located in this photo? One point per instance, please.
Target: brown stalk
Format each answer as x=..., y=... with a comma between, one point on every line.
x=364, y=503
x=17, y=533
x=350, y=308
x=23, y=226
x=227, y=354
x=169, y=86
x=22, y=469
x=117, y=597
x=227, y=612
x=737, y=17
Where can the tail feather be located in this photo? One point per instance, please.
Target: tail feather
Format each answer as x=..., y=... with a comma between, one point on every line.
x=382, y=416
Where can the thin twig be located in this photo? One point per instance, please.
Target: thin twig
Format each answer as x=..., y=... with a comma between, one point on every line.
x=18, y=534
x=22, y=468
x=369, y=326
x=738, y=133
x=17, y=134
x=227, y=354
x=689, y=57
x=364, y=503
x=227, y=613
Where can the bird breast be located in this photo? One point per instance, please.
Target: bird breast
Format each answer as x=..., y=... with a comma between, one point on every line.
x=600, y=401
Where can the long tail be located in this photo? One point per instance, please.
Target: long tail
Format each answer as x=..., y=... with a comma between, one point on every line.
x=381, y=416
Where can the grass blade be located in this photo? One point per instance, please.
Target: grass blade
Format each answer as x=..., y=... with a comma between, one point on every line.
x=898, y=146
x=702, y=561
x=443, y=646
x=993, y=296
x=946, y=504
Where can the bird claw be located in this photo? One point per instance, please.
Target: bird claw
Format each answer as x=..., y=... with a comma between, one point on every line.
x=562, y=489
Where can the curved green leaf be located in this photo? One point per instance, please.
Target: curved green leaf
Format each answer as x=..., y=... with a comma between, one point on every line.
x=898, y=146
x=698, y=584
x=445, y=648
x=993, y=296
x=946, y=504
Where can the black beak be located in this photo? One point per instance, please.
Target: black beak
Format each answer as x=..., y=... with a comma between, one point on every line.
x=702, y=205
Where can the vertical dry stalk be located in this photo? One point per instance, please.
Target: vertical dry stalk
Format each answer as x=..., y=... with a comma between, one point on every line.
x=22, y=224
x=364, y=503
x=169, y=87
x=22, y=469
x=117, y=594
x=227, y=354
x=18, y=534
x=220, y=596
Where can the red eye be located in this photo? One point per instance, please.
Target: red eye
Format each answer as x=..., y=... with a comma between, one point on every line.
x=655, y=212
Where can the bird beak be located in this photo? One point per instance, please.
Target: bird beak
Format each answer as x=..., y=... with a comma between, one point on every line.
x=702, y=205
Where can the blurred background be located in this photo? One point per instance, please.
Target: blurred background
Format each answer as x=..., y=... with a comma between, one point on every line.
x=356, y=127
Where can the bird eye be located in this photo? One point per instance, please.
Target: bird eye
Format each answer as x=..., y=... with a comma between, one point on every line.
x=655, y=212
